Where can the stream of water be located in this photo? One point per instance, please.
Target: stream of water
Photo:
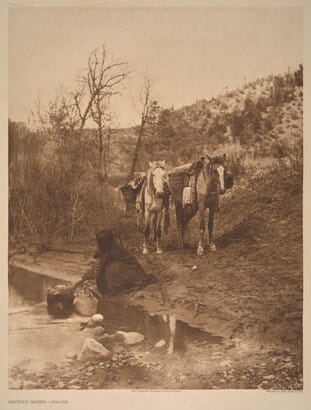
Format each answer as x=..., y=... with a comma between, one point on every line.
x=36, y=338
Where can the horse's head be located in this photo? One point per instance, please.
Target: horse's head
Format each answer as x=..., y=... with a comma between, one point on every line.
x=217, y=164
x=157, y=178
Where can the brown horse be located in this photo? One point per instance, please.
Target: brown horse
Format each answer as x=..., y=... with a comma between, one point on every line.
x=209, y=185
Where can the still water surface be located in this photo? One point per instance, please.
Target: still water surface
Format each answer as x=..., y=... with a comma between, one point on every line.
x=36, y=338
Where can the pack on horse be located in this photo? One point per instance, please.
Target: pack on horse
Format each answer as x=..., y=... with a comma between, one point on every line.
x=207, y=182
x=155, y=199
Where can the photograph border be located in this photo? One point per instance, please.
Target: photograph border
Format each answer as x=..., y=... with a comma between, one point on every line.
x=151, y=399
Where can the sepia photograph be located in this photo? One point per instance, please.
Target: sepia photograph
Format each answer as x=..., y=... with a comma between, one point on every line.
x=155, y=198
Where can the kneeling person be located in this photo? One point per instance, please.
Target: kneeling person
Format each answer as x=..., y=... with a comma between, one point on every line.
x=117, y=270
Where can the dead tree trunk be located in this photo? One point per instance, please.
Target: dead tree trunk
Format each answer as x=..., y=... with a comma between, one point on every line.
x=141, y=130
x=136, y=153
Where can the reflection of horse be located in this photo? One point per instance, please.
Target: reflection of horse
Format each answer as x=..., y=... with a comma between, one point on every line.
x=154, y=205
x=209, y=184
x=154, y=327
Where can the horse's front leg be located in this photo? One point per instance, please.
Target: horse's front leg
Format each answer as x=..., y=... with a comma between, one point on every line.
x=146, y=232
x=158, y=232
x=211, y=215
x=200, y=250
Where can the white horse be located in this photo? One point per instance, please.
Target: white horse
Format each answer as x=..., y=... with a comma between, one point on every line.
x=154, y=194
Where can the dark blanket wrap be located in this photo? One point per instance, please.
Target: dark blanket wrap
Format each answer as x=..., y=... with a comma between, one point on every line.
x=118, y=271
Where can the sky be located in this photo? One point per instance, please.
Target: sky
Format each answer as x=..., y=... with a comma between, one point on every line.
x=188, y=53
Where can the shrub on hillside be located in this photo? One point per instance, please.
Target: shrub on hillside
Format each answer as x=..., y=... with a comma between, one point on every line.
x=289, y=152
x=224, y=106
x=236, y=166
x=262, y=104
x=237, y=124
x=299, y=76
x=294, y=116
x=236, y=156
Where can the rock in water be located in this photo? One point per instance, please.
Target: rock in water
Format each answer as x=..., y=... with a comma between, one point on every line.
x=98, y=318
x=160, y=343
x=130, y=338
x=92, y=349
x=99, y=331
x=159, y=347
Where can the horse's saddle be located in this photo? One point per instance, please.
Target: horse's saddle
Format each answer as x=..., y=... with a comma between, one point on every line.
x=193, y=172
x=189, y=185
x=195, y=169
x=190, y=180
x=138, y=181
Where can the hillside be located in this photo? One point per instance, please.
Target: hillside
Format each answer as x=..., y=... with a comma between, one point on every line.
x=264, y=118
x=254, y=115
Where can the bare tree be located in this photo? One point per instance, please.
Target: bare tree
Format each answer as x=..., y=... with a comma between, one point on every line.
x=101, y=81
x=51, y=167
x=70, y=111
x=148, y=109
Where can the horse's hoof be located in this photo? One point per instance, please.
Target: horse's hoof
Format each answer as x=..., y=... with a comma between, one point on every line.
x=212, y=247
x=159, y=251
x=145, y=251
x=200, y=252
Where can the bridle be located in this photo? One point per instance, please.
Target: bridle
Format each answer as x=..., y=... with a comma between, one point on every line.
x=151, y=189
x=210, y=170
